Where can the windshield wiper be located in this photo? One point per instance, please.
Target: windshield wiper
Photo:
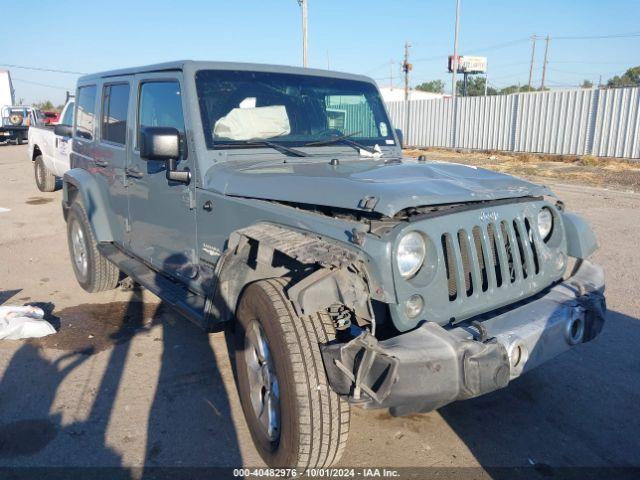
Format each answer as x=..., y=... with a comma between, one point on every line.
x=342, y=139
x=266, y=143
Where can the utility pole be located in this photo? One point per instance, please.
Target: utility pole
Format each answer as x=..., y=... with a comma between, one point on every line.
x=303, y=4
x=544, y=64
x=533, y=54
x=391, y=74
x=454, y=63
x=486, y=80
x=454, y=72
x=406, y=68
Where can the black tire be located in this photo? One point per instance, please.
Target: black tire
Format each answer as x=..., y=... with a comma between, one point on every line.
x=314, y=420
x=45, y=180
x=100, y=274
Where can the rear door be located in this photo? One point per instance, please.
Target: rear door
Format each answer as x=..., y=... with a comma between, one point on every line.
x=111, y=149
x=161, y=213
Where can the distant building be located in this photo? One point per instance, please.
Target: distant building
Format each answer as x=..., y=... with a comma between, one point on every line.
x=7, y=94
x=396, y=94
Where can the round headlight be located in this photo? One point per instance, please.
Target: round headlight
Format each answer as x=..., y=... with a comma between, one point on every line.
x=411, y=253
x=545, y=223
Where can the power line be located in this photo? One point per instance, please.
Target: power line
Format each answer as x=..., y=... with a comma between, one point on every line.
x=595, y=37
x=41, y=84
x=39, y=69
x=570, y=72
x=589, y=62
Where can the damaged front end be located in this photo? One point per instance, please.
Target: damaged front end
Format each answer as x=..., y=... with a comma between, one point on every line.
x=432, y=366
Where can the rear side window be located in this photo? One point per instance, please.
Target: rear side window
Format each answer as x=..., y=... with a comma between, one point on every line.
x=160, y=106
x=86, y=112
x=68, y=115
x=115, y=102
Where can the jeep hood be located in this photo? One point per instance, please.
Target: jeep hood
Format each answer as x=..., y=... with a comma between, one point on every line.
x=391, y=187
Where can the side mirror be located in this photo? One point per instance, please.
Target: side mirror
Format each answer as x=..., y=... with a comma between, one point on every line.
x=163, y=144
x=159, y=143
x=63, y=130
x=400, y=136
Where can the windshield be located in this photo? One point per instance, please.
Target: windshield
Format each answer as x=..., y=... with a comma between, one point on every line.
x=292, y=110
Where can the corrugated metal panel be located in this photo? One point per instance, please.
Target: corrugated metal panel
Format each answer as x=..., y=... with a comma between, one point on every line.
x=570, y=122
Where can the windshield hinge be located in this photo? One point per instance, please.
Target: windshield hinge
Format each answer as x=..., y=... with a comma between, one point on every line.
x=368, y=203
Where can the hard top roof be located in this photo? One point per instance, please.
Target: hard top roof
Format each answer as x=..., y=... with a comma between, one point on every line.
x=191, y=66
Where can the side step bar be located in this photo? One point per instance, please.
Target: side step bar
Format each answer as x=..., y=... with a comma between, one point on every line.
x=187, y=303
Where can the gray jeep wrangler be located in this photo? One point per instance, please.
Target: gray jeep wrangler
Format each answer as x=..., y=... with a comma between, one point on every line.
x=277, y=200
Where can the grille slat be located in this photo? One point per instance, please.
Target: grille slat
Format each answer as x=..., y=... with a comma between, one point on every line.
x=502, y=256
x=516, y=261
x=489, y=261
x=461, y=282
x=475, y=263
x=526, y=247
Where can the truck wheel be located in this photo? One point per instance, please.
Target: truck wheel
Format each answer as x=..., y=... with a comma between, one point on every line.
x=295, y=418
x=93, y=271
x=45, y=180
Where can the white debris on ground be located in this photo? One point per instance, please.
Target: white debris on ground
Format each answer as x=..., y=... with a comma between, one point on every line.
x=23, y=322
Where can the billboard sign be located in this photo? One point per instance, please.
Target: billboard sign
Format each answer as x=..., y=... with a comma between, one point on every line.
x=467, y=64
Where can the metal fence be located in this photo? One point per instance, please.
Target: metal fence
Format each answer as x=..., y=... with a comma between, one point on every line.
x=602, y=122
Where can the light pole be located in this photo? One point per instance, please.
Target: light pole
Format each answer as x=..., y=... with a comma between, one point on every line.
x=303, y=4
x=454, y=63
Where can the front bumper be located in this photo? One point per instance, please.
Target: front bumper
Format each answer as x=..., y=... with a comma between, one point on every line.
x=432, y=366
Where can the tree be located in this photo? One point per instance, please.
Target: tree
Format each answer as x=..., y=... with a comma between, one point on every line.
x=46, y=105
x=435, y=86
x=475, y=86
x=586, y=84
x=630, y=78
x=520, y=89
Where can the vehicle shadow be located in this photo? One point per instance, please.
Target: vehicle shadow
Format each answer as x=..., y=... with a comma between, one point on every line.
x=189, y=418
x=575, y=411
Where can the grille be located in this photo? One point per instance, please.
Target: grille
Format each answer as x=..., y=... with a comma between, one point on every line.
x=493, y=255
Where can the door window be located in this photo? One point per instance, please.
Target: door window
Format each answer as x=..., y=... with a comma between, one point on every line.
x=68, y=115
x=115, y=104
x=160, y=106
x=85, y=115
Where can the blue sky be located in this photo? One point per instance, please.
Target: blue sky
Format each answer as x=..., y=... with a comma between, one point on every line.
x=350, y=35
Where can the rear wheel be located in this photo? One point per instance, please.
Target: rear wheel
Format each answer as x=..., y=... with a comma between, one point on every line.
x=45, y=180
x=295, y=418
x=93, y=271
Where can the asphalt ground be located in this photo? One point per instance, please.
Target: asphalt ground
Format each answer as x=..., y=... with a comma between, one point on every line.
x=127, y=383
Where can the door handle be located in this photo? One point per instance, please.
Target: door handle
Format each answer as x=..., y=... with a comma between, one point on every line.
x=133, y=172
x=101, y=163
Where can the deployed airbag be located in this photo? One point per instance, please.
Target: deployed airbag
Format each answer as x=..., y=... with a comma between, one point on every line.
x=257, y=123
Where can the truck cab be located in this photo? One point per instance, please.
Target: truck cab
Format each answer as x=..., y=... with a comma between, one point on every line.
x=276, y=201
x=49, y=149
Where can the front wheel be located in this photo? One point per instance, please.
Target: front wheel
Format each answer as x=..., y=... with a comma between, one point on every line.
x=93, y=271
x=296, y=420
x=45, y=180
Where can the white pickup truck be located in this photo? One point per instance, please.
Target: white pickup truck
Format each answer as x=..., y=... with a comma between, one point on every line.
x=49, y=149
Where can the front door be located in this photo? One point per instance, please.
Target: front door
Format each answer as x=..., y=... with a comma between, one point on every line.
x=162, y=218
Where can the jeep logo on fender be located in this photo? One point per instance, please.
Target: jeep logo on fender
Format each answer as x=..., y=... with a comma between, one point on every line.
x=488, y=216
